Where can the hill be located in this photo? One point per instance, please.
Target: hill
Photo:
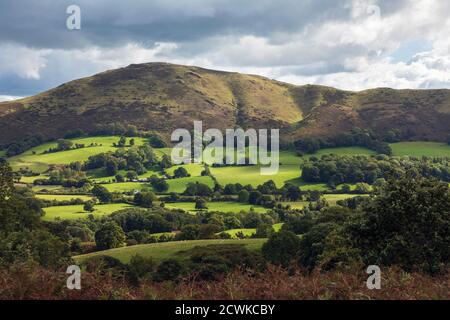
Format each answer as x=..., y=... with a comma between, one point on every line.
x=161, y=97
x=166, y=250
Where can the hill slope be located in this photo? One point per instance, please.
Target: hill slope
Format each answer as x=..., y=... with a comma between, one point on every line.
x=162, y=97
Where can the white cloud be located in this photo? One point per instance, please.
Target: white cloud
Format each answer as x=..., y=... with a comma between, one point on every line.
x=22, y=61
x=8, y=98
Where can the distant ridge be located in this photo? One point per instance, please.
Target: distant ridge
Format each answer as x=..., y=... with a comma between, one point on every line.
x=161, y=97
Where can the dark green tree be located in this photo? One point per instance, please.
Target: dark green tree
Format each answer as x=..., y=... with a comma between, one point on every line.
x=122, y=142
x=180, y=172
x=102, y=194
x=200, y=204
x=243, y=196
x=109, y=235
x=144, y=199
x=88, y=206
x=281, y=248
x=254, y=197
x=406, y=224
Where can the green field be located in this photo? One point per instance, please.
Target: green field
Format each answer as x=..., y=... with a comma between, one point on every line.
x=252, y=175
x=52, y=189
x=246, y=232
x=162, y=151
x=175, y=185
x=233, y=207
x=419, y=149
x=249, y=232
x=415, y=149
x=77, y=212
x=179, y=185
x=160, y=234
x=126, y=186
x=166, y=250
x=194, y=169
x=305, y=186
x=331, y=199
x=62, y=197
x=39, y=161
x=24, y=179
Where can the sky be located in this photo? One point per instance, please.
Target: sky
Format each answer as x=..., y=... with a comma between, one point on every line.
x=348, y=44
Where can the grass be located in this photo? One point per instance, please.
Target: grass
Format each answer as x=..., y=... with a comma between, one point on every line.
x=194, y=169
x=77, y=212
x=62, y=197
x=415, y=149
x=58, y=189
x=175, y=185
x=246, y=232
x=305, y=186
x=166, y=250
x=298, y=205
x=232, y=207
x=421, y=148
x=252, y=175
x=332, y=199
x=36, y=160
x=179, y=185
x=277, y=226
x=249, y=232
x=24, y=179
x=126, y=186
x=160, y=234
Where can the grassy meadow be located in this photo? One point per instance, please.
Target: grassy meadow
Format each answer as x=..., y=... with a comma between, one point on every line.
x=421, y=148
x=36, y=160
x=76, y=211
x=63, y=197
x=179, y=185
x=216, y=206
x=123, y=187
x=249, y=232
x=167, y=250
x=252, y=175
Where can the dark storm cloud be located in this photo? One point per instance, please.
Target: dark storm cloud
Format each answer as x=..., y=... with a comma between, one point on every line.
x=41, y=24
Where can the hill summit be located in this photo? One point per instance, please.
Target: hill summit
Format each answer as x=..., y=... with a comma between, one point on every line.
x=161, y=97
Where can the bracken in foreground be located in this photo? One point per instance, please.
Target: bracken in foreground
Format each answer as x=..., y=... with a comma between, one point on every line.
x=25, y=282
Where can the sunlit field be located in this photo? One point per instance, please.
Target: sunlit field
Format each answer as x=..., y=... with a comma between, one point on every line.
x=77, y=212
x=166, y=250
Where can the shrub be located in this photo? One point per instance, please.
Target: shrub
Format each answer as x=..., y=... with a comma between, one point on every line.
x=243, y=196
x=407, y=225
x=180, y=172
x=169, y=269
x=144, y=199
x=281, y=248
x=140, y=268
x=102, y=194
x=109, y=236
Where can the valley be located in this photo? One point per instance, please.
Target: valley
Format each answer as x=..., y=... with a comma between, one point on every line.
x=94, y=174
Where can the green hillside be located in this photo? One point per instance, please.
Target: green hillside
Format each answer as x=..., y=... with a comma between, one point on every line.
x=37, y=160
x=161, y=97
x=166, y=250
